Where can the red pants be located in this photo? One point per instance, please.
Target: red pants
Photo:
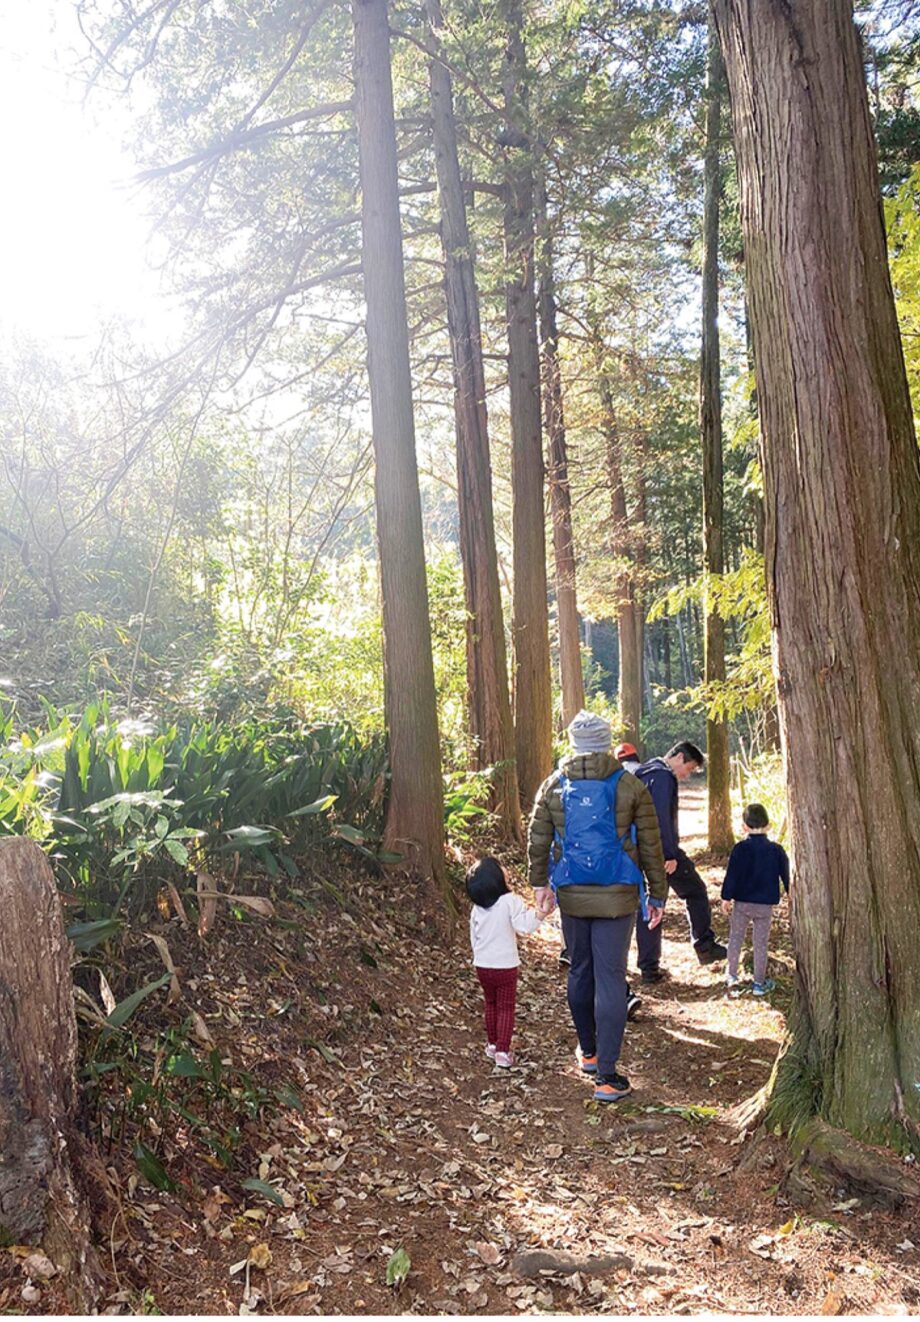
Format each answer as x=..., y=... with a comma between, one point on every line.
x=499, y=987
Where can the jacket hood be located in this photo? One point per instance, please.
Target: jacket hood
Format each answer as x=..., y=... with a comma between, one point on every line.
x=589, y=766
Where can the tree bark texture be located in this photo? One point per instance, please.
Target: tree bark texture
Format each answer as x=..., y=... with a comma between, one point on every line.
x=629, y=627
x=488, y=697
x=415, y=820
x=532, y=682
x=718, y=769
x=560, y=495
x=639, y=540
x=842, y=503
x=39, y=1200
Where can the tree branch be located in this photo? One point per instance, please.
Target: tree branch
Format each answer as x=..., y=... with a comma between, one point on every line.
x=240, y=139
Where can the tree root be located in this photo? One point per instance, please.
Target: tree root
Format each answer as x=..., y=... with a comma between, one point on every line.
x=868, y=1169
x=750, y=1113
x=534, y=1262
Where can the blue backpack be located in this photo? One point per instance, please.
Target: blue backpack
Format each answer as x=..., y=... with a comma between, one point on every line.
x=591, y=853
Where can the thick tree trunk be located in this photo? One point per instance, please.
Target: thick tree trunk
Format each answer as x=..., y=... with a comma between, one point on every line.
x=721, y=838
x=842, y=496
x=532, y=684
x=39, y=1200
x=489, y=701
x=415, y=819
x=560, y=496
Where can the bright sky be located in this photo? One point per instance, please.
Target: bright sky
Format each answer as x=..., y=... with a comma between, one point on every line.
x=73, y=232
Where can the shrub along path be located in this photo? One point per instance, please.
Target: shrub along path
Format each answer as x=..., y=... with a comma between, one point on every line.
x=409, y=1150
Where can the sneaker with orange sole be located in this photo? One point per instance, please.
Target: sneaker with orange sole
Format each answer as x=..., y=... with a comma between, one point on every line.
x=588, y=1063
x=611, y=1087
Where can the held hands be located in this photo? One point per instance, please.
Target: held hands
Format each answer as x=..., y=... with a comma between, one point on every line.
x=544, y=899
x=655, y=915
x=726, y=906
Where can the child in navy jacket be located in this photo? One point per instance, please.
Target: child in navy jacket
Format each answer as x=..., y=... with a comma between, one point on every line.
x=751, y=892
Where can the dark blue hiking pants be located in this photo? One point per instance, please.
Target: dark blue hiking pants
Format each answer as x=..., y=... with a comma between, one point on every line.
x=598, y=948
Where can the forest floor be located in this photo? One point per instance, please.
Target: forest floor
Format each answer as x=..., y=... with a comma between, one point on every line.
x=409, y=1140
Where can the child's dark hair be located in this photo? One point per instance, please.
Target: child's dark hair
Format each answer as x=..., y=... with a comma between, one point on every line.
x=756, y=817
x=485, y=882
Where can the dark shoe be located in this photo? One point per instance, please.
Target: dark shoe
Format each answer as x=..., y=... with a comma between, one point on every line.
x=655, y=975
x=712, y=954
x=565, y=957
x=633, y=1005
x=611, y=1087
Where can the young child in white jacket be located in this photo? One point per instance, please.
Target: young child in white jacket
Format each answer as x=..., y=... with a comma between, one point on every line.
x=496, y=916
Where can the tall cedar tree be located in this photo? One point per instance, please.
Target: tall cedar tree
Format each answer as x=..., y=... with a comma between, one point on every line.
x=560, y=495
x=489, y=702
x=415, y=811
x=622, y=538
x=532, y=683
x=622, y=533
x=719, y=775
x=842, y=497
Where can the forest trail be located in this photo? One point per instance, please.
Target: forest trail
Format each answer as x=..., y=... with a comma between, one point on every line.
x=409, y=1140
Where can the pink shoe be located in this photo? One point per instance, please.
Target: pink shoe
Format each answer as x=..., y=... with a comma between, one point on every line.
x=490, y=1051
x=504, y=1060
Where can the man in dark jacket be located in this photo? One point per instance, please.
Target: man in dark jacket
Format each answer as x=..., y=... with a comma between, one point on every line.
x=661, y=776
x=597, y=919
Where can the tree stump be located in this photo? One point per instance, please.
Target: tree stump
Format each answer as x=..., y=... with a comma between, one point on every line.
x=39, y=1200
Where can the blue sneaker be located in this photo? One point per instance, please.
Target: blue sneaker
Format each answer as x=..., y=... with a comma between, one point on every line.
x=762, y=988
x=588, y=1063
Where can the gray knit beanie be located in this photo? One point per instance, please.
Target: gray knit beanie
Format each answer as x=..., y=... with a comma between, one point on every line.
x=590, y=733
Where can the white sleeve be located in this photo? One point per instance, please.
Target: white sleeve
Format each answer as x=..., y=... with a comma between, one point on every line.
x=524, y=919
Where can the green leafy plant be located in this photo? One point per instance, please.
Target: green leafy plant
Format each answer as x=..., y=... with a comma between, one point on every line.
x=465, y=798
x=398, y=1268
x=123, y=807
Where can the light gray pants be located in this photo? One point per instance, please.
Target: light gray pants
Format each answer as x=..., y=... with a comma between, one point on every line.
x=760, y=916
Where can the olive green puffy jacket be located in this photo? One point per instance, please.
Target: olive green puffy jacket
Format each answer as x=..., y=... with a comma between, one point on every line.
x=633, y=805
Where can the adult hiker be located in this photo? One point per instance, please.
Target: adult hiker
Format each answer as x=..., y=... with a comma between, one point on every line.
x=628, y=757
x=661, y=776
x=593, y=833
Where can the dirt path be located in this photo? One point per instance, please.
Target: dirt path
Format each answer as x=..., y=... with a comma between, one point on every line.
x=410, y=1140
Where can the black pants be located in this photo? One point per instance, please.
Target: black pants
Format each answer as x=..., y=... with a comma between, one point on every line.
x=686, y=883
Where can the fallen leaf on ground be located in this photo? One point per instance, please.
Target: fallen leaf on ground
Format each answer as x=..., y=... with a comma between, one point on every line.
x=763, y=1245
x=833, y=1303
x=489, y=1253
x=260, y=1256
x=36, y=1264
x=398, y=1267
x=294, y=1289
